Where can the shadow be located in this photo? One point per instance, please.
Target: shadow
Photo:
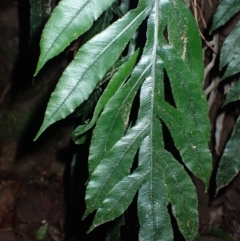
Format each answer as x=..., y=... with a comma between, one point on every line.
x=27, y=57
x=75, y=175
x=75, y=178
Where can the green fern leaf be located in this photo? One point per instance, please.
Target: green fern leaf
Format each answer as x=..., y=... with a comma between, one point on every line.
x=159, y=178
x=107, y=137
x=181, y=194
x=141, y=71
x=229, y=165
x=152, y=199
x=233, y=94
x=163, y=172
x=98, y=26
x=113, y=167
x=90, y=65
x=115, y=83
x=165, y=175
x=225, y=10
x=230, y=53
x=184, y=37
x=167, y=182
x=163, y=16
x=116, y=115
x=188, y=95
x=69, y=20
x=120, y=197
x=192, y=147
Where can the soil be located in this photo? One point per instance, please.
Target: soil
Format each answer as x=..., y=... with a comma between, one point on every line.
x=38, y=198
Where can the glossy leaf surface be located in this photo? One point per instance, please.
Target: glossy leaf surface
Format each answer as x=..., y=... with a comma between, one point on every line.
x=226, y=9
x=120, y=197
x=105, y=137
x=154, y=195
x=229, y=165
x=113, y=167
x=230, y=53
x=150, y=205
x=115, y=83
x=116, y=113
x=69, y=20
x=90, y=65
x=118, y=139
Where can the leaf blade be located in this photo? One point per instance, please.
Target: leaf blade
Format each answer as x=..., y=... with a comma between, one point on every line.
x=233, y=94
x=230, y=53
x=185, y=38
x=63, y=26
x=193, y=149
x=187, y=91
x=113, y=167
x=225, y=10
x=90, y=65
x=152, y=199
x=115, y=83
x=229, y=164
x=152, y=203
x=120, y=197
x=181, y=194
x=164, y=179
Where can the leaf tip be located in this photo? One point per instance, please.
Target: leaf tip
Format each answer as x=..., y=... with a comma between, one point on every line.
x=90, y=229
x=93, y=226
x=37, y=136
x=39, y=133
x=85, y=214
x=211, y=30
x=38, y=68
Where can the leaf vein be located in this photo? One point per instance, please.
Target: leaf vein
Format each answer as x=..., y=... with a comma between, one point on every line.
x=92, y=64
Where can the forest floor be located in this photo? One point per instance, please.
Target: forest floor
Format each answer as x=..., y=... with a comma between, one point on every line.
x=36, y=199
